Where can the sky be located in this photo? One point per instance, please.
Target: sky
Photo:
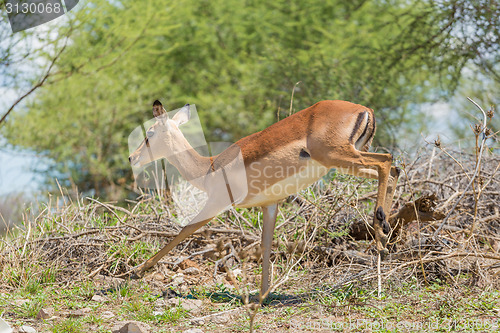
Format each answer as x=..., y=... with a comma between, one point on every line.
x=15, y=167
x=16, y=173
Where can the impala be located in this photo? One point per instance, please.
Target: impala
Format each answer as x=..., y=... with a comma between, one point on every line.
x=266, y=167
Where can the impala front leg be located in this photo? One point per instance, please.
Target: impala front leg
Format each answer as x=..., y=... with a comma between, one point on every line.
x=185, y=232
x=215, y=204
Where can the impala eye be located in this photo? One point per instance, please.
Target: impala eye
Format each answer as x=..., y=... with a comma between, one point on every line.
x=150, y=134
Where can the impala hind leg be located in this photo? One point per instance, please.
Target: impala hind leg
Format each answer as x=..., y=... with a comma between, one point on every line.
x=368, y=165
x=383, y=214
x=391, y=188
x=269, y=222
x=382, y=162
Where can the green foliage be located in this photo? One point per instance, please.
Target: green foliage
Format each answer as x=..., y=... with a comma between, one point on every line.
x=238, y=61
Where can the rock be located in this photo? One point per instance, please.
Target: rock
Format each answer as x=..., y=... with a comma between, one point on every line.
x=160, y=303
x=222, y=319
x=184, y=289
x=99, y=299
x=229, y=263
x=158, y=313
x=43, y=314
x=177, y=279
x=107, y=315
x=26, y=329
x=79, y=313
x=188, y=263
x=158, y=277
x=191, y=271
x=174, y=301
x=192, y=305
x=193, y=330
x=198, y=322
x=131, y=327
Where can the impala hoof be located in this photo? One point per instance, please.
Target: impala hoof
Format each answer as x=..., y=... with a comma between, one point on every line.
x=381, y=218
x=386, y=228
x=136, y=273
x=383, y=253
x=380, y=215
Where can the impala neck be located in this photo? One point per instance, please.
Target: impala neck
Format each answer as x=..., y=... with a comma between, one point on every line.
x=192, y=166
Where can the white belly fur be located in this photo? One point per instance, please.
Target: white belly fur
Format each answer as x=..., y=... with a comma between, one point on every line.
x=288, y=186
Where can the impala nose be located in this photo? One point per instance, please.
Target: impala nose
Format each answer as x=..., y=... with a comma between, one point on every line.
x=130, y=159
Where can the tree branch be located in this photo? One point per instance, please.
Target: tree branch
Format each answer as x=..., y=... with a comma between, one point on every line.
x=38, y=85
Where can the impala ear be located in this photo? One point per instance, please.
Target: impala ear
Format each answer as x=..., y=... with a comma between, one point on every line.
x=182, y=116
x=158, y=109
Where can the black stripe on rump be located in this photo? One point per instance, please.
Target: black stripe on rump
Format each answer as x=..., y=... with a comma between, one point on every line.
x=361, y=116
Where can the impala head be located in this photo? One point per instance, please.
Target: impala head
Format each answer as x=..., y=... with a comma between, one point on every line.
x=160, y=138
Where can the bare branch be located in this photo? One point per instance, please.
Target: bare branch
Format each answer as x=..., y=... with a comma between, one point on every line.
x=39, y=84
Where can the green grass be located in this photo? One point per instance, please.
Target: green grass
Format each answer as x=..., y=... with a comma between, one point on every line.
x=140, y=310
x=69, y=326
x=83, y=290
x=30, y=309
x=134, y=252
x=172, y=315
x=122, y=291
